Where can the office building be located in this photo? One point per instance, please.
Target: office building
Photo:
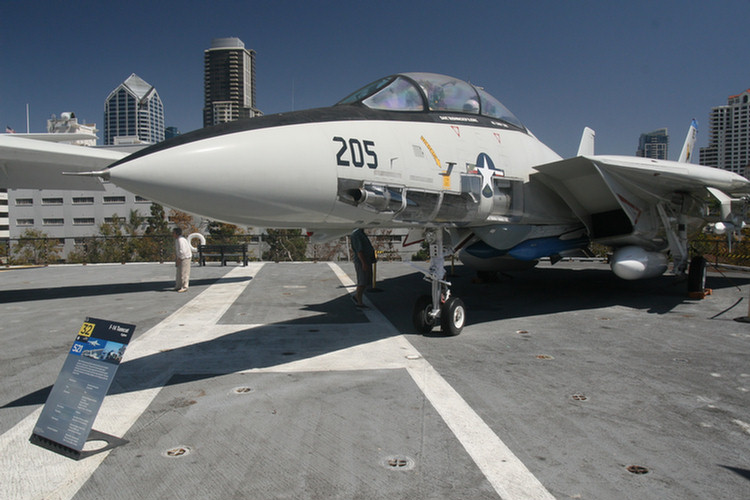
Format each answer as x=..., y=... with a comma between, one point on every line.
x=171, y=132
x=67, y=123
x=4, y=221
x=229, y=82
x=654, y=145
x=133, y=114
x=729, y=135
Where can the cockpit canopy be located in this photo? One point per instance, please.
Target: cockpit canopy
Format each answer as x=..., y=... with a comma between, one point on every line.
x=430, y=92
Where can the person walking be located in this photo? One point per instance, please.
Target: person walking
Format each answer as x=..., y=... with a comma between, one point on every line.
x=183, y=258
x=364, y=258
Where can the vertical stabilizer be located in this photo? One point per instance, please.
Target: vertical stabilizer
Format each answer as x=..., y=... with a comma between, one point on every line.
x=686, y=154
x=586, y=148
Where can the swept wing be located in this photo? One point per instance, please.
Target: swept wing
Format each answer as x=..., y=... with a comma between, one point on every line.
x=34, y=164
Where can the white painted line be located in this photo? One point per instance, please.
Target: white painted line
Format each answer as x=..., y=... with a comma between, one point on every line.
x=743, y=425
x=507, y=474
x=31, y=472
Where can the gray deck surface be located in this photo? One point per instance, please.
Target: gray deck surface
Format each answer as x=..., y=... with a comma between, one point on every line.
x=273, y=385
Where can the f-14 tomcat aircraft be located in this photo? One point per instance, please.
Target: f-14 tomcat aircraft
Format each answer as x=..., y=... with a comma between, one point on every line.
x=446, y=159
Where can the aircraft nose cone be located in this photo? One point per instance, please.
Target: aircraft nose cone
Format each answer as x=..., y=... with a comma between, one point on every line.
x=247, y=178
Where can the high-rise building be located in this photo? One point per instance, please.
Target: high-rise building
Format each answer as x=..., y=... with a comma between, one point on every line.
x=729, y=135
x=654, y=145
x=229, y=82
x=133, y=114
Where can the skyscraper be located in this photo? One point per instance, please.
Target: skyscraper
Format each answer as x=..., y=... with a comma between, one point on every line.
x=229, y=82
x=729, y=135
x=654, y=145
x=133, y=113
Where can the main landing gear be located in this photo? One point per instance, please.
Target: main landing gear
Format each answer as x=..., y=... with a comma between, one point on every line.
x=697, y=275
x=439, y=307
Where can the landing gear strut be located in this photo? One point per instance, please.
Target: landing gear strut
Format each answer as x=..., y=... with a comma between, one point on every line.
x=440, y=306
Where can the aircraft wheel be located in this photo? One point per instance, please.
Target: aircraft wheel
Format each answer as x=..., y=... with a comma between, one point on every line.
x=421, y=318
x=697, y=275
x=453, y=316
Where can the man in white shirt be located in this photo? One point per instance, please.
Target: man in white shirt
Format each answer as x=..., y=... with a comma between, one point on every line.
x=183, y=258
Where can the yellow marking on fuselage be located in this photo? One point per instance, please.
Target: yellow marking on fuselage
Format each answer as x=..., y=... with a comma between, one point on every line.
x=432, y=151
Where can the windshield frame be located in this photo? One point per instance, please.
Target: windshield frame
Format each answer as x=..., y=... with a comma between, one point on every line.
x=437, y=94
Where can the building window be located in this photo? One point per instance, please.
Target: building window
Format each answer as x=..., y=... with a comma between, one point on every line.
x=22, y=202
x=114, y=199
x=84, y=221
x=87, y=200
x=24, y=222
x=53, y=222
x=141, y=199
x=113, y=220
x=52, y=201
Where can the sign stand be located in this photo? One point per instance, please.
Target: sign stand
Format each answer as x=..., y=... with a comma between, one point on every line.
x=65, y=424
x=94, y=435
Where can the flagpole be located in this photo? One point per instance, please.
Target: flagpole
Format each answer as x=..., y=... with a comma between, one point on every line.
x=27, y=117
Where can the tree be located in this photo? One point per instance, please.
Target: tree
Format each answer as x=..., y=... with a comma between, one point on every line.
x=112, y=246
x=155, y=244
x=35, y=247
x=223, y=234
x=285, y=245
x=157, y=222
x=184, y=221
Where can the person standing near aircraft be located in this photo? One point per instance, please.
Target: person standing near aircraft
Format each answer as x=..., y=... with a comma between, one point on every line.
x=183, y=257
x=364, y=258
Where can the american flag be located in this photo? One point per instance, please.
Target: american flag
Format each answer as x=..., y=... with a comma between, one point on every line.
x=9, y=130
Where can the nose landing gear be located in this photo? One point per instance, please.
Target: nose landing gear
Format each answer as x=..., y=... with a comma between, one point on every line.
x=439, y=307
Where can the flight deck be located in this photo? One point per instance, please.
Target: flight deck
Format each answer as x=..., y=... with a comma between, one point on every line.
x=266, y=381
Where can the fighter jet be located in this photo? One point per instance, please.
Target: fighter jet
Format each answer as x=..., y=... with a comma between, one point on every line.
x=446, y=160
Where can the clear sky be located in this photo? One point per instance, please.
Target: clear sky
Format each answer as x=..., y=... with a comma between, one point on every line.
x=622, y=68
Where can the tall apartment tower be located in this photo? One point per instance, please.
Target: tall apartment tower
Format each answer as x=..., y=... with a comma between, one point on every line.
x=229, y=82
x=133, y=114
x=729, y=135
x=654, y=145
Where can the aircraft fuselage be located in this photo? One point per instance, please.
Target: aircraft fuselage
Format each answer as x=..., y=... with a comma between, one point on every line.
x=347, y=165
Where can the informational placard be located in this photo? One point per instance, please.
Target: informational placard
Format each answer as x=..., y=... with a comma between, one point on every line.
x=88, y=371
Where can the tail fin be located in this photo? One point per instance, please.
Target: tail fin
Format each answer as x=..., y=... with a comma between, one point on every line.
x=586, y=147
x=687, y=148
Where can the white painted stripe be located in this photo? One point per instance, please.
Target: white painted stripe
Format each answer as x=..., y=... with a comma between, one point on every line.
x=507, y=474
x=743, y=425
x=56, y=477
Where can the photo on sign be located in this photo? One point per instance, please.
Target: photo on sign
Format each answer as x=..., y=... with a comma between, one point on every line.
x=110, y=352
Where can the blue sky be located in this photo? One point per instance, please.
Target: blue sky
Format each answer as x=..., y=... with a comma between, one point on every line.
x=622, y=68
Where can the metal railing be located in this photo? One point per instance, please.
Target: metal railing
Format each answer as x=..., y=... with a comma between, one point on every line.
x=150, y=248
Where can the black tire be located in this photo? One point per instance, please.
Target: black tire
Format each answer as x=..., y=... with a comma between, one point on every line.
x=453, y=316
x=697, y=275
x=421, y=318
